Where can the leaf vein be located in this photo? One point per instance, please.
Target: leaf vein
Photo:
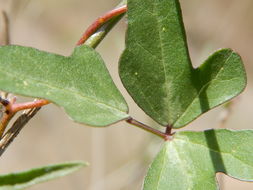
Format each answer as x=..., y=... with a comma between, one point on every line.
x=68, y=91
x=203, y=88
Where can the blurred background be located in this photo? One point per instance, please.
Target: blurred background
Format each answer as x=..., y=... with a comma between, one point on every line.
x=120, y=154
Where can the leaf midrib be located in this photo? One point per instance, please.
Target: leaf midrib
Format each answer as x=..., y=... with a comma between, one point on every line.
x=213, y=150
x=162, y=60
x=160, y=173
x=66, y=90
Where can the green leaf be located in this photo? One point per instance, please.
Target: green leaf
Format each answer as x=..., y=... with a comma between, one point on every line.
x=22, y=180
x=79, y=83
x=191, y=160
x=156, y=68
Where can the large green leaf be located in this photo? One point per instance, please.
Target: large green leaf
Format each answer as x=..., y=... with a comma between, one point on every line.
x=191, y=160
x=80, y=83
x=156, y=69
x=22, y=180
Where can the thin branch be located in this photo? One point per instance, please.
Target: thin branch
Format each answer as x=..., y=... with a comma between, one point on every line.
x=156, y=132
x=11, y=108
x=99, y=35
x=29, y=105
x=4, y=36
x=4, y=122
x=7, y=116
x=12, y=133
x=4, y=29
x=4, y=40
x=99, y=22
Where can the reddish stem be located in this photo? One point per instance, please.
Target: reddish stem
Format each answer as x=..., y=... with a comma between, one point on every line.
x=166, y=136
x=7, y=115
x=168, y=130
x=11, y=108
x=4, y=122
x=28, y=105
x=99, y=22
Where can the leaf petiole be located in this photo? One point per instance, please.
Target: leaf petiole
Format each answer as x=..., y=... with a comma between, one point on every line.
x=166, y=136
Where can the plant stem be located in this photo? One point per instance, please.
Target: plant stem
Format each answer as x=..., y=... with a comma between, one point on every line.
x=11, y=108
x=168, y=130
x=16, y=128
x=8, y=115
x=100, y=34
x=4, y=122
x=4, y=30
x=136, y=123
x=114, y=16
x=4, y=40
x=29, y=105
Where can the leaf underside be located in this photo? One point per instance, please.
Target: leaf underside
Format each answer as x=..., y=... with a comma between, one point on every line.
x=191, y=160
x=22, y=180
x=156, y=69
x=79, y=83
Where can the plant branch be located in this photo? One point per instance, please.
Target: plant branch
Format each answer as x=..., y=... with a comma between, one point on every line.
x=99, y=22
x=4, y=122
x=166, y=136
x=8, y=114
x=29, y=105
x=4, y=29
x=4, y=36
x=16, y=128
x=100, y=34
x=11, y=108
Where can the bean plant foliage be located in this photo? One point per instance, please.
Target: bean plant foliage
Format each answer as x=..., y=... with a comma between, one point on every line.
x=156, y=70
x=25, y=179
x=79, y=83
